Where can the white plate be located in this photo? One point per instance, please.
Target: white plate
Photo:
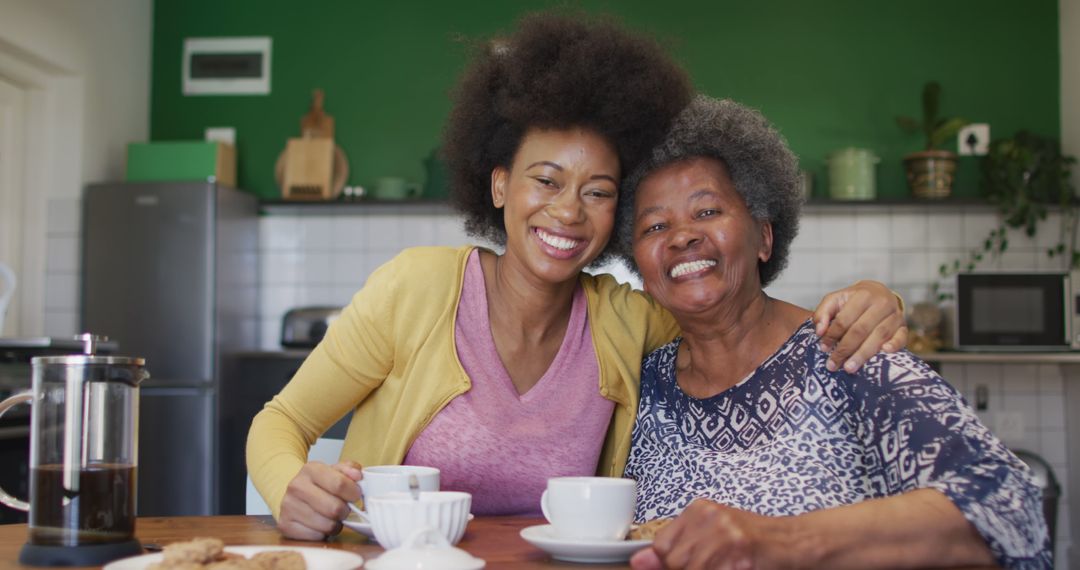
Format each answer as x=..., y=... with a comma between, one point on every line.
x=364, y=528
x=321, y=558
x=571, y=550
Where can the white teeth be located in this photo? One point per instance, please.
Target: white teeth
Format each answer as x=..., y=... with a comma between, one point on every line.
x=691, y=267
x=556, y=241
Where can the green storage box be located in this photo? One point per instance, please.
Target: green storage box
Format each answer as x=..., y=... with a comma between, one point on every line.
x=181, y=161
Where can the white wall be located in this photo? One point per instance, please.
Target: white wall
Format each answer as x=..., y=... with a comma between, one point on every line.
x=104, y=47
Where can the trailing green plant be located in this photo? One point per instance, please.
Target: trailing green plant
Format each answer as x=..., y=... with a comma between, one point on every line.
x=937, y=130
x=1023, y=176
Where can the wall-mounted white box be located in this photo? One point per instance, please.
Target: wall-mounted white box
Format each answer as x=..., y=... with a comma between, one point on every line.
x=226, y=66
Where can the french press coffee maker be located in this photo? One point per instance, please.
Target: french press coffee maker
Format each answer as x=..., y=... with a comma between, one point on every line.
x=83, y=457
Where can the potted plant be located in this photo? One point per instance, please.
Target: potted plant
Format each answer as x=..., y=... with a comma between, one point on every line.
x=1024, y=176
x=930, y=172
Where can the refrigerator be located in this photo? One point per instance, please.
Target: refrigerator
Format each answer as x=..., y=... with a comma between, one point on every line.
x=170, y=273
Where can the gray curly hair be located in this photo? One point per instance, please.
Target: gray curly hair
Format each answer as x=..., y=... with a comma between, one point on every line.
x=762, y=167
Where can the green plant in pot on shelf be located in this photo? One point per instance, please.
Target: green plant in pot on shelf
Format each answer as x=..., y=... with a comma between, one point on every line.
x=930, y=172
x=1024, y=176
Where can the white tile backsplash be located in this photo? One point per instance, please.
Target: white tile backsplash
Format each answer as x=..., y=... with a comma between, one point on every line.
x=61, y=323
x=384, y=233
x=809, y=237
x=944, y=231
x=837, y=231
x=908, y=231
x=316, y=233
x=349, y=233
x=872, y=232
x=62, y=291
x=349, y=267
x=278, y=233
x=977, y=226
x=1020, y=379
x=64, y=216
x=63, y=254
x=909, y=267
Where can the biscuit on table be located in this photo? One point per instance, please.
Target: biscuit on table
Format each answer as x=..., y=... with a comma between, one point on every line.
x=199, y=550
x=280, y=560
x=175, y=566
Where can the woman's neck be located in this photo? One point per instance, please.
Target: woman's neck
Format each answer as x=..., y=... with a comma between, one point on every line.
x=722, y=347
x=521, y=304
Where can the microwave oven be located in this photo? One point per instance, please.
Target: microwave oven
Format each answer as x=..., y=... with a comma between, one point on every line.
x=1017, y=311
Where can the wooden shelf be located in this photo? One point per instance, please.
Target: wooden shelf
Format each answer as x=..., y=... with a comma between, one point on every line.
x=431, y=206
x=1058, y=357
x=950, y=205
x=352, y=207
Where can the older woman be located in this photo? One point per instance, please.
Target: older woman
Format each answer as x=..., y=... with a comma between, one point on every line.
x=798, y=466
x=505, y=368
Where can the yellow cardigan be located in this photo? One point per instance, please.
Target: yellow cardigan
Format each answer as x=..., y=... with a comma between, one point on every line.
x=391, y=360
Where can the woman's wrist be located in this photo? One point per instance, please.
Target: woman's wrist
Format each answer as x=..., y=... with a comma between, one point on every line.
x=796, y=543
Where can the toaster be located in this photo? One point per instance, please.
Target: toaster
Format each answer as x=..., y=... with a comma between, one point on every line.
x=304, y=327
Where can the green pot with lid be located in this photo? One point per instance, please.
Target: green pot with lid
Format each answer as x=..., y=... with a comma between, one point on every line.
x=853, y=174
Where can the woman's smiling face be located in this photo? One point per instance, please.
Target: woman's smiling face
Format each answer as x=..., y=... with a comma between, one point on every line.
x=695, y=242
x=558, y=199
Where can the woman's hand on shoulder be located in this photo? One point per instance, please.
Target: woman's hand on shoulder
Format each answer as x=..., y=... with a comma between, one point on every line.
x=857, y=322
x=711, y=535
x=316, y=500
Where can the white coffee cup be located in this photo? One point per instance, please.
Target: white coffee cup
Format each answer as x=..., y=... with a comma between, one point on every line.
x=590, y=508
x=383, y=479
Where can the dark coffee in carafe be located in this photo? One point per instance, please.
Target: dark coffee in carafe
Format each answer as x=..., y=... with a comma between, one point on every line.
x=101, y=510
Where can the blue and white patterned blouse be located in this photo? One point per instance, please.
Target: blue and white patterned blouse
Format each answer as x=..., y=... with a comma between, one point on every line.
x=793, y=437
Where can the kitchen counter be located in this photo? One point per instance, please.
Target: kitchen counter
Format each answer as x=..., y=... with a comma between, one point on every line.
x=1003, y=357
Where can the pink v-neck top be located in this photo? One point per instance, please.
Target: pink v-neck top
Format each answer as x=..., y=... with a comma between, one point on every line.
x=502, y=446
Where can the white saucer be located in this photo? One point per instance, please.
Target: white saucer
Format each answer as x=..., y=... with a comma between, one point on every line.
x=364, y=527
x=321, y=558
x=571, y=550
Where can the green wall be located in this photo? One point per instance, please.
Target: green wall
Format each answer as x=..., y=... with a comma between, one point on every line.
x=828, y=73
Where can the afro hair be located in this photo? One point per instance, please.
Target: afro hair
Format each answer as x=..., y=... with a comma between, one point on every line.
x=556, y=71
x=762, y=167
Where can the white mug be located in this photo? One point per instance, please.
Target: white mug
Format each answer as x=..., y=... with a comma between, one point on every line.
x=383, y=479
x=590, y=508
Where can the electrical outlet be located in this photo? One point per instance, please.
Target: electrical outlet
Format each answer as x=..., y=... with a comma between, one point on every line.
x=974, y=140
x=1009, y=426
x=221, y=134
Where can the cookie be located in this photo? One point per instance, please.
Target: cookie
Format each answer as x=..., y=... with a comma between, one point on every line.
x=647, y=530
x=280, y=560
x=199, y=550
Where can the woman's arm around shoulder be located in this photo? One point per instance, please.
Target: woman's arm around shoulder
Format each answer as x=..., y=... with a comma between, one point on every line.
x=858, y=321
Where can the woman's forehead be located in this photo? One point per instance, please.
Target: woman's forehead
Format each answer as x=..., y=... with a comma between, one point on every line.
x=570, y=145
x=682, y=179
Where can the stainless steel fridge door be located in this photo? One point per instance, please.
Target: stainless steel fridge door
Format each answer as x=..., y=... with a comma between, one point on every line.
x=148, y=274
x=176, y=452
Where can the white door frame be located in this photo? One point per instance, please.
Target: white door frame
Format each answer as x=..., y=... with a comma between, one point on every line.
x=51, y=168
x=12, y=143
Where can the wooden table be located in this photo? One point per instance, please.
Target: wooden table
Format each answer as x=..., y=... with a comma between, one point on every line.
x=495, y=539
